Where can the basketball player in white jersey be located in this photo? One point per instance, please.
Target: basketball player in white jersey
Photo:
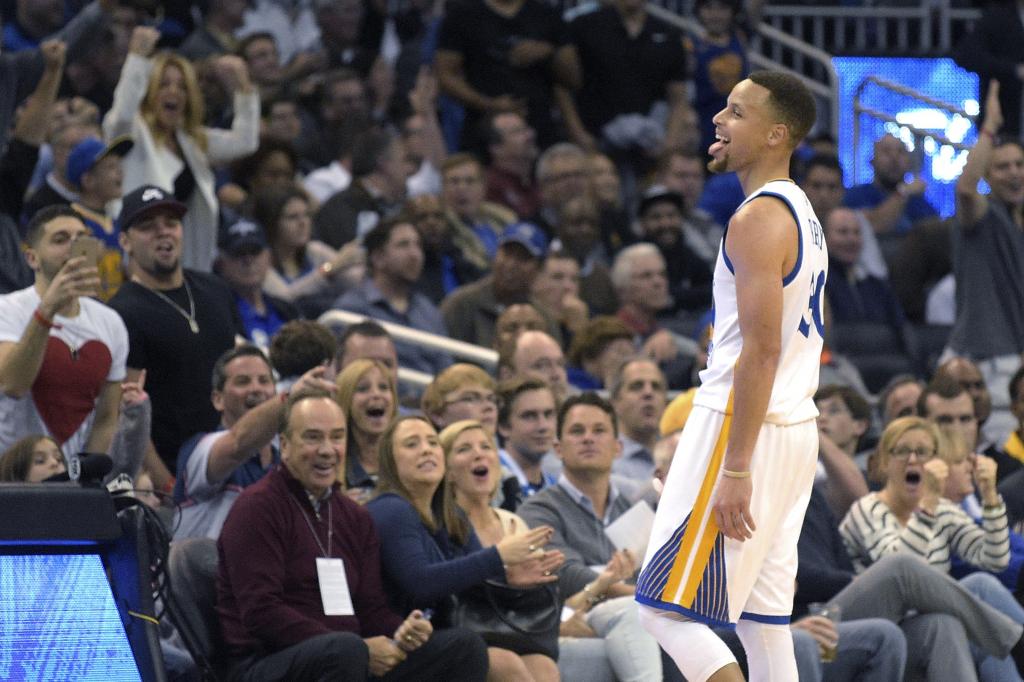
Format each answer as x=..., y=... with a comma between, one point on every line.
x=723, y=546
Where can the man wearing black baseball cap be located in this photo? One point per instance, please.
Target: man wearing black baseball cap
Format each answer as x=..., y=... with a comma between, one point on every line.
x=661, y=223
x=179, y=322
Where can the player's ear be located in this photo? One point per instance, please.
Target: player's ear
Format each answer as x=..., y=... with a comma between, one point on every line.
x=778, y=135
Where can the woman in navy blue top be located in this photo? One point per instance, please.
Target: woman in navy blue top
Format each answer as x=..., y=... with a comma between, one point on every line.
x=429, y=550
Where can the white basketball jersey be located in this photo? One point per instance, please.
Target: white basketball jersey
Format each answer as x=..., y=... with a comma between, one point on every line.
x=796, y=379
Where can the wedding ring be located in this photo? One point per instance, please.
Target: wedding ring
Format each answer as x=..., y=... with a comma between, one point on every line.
x=547, y=572
x=408, y=638
x=533, y=548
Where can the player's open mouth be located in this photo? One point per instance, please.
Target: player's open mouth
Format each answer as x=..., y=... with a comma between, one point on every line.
x=481, y=472
x=912, y=477
x=718, y=145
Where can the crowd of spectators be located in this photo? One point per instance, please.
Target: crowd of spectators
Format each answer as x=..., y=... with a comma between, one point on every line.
x=186, y=193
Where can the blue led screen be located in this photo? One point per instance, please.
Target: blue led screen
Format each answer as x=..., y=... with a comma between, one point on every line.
x=941, y=79
x=58, y=621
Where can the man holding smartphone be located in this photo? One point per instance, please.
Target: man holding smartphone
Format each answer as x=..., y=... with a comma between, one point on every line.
x=62, y=353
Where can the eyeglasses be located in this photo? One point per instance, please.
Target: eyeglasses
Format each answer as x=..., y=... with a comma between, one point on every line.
x=474, y=399
x=905, y=452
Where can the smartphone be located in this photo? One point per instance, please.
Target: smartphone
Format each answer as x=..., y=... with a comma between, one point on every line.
x=89, y=247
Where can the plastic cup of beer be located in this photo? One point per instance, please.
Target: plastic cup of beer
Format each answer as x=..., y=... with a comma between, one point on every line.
x=834, y=613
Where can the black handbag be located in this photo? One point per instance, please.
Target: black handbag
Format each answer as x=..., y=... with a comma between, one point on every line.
x=525, y=621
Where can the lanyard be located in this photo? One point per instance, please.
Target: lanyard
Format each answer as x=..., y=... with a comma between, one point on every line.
x=330, y=526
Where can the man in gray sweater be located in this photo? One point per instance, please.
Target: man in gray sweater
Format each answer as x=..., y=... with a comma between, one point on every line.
x=578, y=508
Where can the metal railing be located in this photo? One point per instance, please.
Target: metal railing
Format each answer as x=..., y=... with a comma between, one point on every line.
x=919, y=134
x=919, y=28
x=822, y=79
x=485, y=357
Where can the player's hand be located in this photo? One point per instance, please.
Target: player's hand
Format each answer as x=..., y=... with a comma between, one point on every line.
x=384, y=655
x=993, y=122
x=732, y=508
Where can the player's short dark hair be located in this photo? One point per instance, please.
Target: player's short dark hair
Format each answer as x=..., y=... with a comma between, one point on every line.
x=301, y=345
x=587, y=398
x=220, y=374
x=34, y=229
x=792, y=101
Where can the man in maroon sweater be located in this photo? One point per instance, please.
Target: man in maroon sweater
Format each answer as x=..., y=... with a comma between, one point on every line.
x=290, y=546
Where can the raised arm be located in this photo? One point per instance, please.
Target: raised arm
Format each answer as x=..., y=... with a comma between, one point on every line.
x=255, y=430
x=20, y=361
x=971, y=205
x=244, y=136
x=761, y=241
x=423, y=100
x=131, y=87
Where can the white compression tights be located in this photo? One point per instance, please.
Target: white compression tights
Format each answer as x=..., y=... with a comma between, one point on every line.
x=769, y=650
x=700, y=653
x=697, y=650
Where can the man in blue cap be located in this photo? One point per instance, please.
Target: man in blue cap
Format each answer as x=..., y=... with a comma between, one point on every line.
x=243, y=261
x=94, y=169
x=471, y=311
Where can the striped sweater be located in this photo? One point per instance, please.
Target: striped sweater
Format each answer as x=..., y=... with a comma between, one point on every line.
x=871, y=531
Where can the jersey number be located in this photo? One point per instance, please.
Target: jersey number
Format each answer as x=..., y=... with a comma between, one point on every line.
x=814, y=308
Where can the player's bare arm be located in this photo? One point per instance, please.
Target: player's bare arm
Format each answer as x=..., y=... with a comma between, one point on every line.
x=762, y=246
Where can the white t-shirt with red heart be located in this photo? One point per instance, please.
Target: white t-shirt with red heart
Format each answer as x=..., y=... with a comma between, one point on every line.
x=82, y=355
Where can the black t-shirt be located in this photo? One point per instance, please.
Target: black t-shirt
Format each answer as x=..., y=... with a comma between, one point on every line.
x=621, y=74
x=484, y=38
x=178, y=363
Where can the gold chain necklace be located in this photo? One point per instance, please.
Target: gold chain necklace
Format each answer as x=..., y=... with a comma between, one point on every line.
x=190, y=316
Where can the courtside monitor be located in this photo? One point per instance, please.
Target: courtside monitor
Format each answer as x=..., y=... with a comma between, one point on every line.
x=58, y=616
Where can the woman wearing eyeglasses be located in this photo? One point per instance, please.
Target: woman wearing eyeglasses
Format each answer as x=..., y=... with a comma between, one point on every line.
x=910, y=515
x=462, y=391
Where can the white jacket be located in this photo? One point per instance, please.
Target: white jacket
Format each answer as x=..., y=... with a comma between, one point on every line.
x=150, y=163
